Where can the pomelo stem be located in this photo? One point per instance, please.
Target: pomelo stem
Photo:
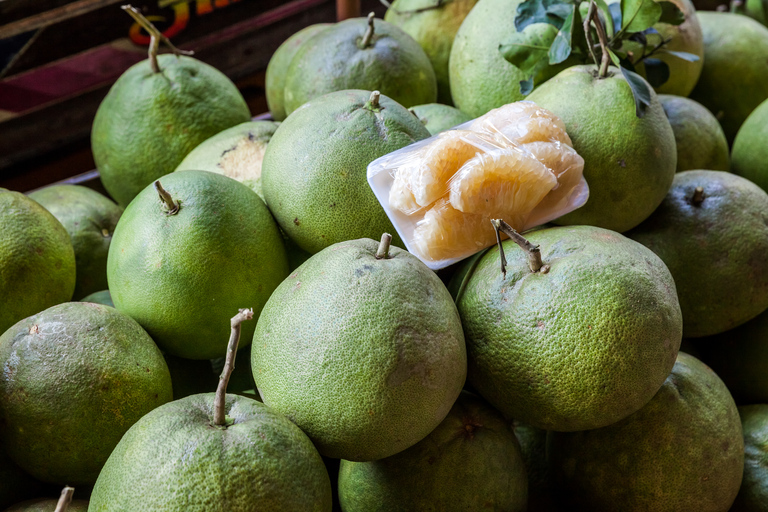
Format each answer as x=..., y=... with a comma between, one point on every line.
x=698, y=196
x=219, y=403
x=171, y=206
x=65, y=499
x=383, y=251
x=366, y=41
x=532, y=251
x=373, y=102
x=155, y=37
x=605, y=61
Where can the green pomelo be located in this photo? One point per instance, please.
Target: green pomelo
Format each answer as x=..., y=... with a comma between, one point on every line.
x=580, y=346
x=753, y=495
x=734, y=80
x=76, y=377
x=182, y=275
x=740, y=358
x=102, y=297
x=541, y=490
x=48, y=505
x=749, y=157
x=274, y=80
x=471, y=461
x=433, y=25
x=365, y=355
x=700, y=139
x=236, y=153
x=175, y=459
x=314, y=174
x=90, y=219
x=37, y=261
x=149, y=121
x=715, y=248
x=629, y=162
x=338, y=58
x=438, y=118
x=683, y=451
x=756, y=10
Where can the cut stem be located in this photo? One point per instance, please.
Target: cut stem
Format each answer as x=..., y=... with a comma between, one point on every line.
x=602, y=38
x=220, y=401
x=698, y=196
x=588, y=31
x=155, y=37
x=366, y=41
x=171, y=206
x=383, y=252
x=373, y=102
x=532, y=251
x=65, y=499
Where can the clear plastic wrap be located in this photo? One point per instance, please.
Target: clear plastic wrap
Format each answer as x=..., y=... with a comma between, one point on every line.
x=515, y=163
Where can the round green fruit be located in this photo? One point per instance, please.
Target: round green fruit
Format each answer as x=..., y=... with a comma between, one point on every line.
x=749, y=157
x=102, y=297
x=699, y=137
x=753, y=494
x=438, y=118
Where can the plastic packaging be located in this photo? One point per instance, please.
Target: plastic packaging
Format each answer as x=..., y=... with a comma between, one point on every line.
x=515, y=163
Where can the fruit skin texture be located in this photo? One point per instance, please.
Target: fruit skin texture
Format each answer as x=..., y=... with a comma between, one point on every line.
x=753, y=495
x=101, y=297
x=76, y=377
x=393, y=64
x=236, y=152
x=629, y=162
x=48, y=505
x=579, y=347
x=175, y=460
x=749, y=157
x=148, y=122
x=471, y=461
x=90, y=219
x=314, y=170
x=366, y=356
x=734, y=80
x=438, y=118
x=700, y=139
x=274, y=80
x=683, y=451
x=181, y=276
x=715, y=251
x=433, y=26
x=37, y=261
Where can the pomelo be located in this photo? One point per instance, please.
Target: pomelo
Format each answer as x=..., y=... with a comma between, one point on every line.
x=749, y=157
x=100, y=297
x=699, y=137
x=438, y=118
x=753, y=495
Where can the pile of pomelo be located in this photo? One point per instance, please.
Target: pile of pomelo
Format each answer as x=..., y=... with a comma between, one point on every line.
x=250, y=333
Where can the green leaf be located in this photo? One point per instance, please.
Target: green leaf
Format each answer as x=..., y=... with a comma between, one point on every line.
x=528, y=48
x=615, y=9
x=638, y=15
x=690, y=57
x=671, y=13
x=614, y=58
x=632, y=49
x=641, y=91
x=656, y=72
x=561, y=46
x=537, y=11
x=610, y=29
x=526, y=86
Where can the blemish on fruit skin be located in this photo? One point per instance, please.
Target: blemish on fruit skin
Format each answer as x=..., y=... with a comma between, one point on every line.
x=34, y=329
x=296, y=221
x=622, y=163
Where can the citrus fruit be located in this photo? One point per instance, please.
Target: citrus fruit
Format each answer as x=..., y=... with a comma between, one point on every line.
x=360, y=53
x=37, y=261
x=753, y=495
x=522, y=122
x=438, y=118
x=700, y=139
x=750, y=151
x=629, y=162
x=150, y=120
x=90, y=219
x=714, y=243
x=274, y=79
x=445, y=232
x=214, y=452
x=236, y=152
x=734, y=79
x=433, y=24
x=314, y=170
x=756, y=10
x=77, y=376
x=471, y=461
x=47, y=505
x=682, y=451
x=181, y=272
x=101, y=297
x=365, y=354
x=579, y=346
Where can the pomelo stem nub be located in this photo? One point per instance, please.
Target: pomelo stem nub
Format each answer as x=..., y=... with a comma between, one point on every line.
x=373, y=102
x=219, y=402
x=532, y=251
x=366, y=41
x=155, y=37
x=171, y=206
x=65, y=499
x=383, y=252
x=698, y=196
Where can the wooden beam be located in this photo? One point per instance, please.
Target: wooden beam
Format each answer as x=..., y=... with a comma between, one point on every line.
x=56, y=15
x=347, y=9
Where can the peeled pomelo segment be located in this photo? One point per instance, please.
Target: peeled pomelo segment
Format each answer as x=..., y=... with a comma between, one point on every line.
x=400, y=195
x=446, y=233
x=505, y=184
x=568, y=167
x=522, y=122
